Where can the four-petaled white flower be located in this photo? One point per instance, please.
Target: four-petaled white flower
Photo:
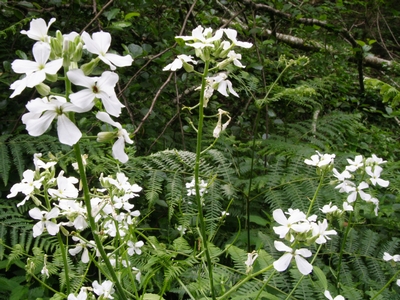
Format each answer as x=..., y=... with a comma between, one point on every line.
x=297, y=222
x=35, y=70
x=328, y=208
x=387, y=257
x=105, y=289
x=319, y=230
x=38, y=30
x=81, y=245
x=221, y=84
x=231, y=34
x=375, y=176
x=190, y=186
x=355, y=164
x=320, y=160
x=81, y=296
x=283, y=262
x=135, y=247
x=27, y=186
x=42, y=111
x=96, y=88
x=66, y=188
x=45, y=221
x=179, y=62
x=328, y=295
x=202, y=37
x=99, y=44
x=118, y=149
x=353, y=191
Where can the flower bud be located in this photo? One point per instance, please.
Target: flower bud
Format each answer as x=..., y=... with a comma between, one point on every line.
x=89, y=67
x=105, y=136
x=43, y=89
x=78, y=52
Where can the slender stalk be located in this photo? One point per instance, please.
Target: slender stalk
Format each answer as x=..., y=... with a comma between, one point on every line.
x=386, y=285
x=342, y=249
x=99, y=245
x=65, y=261
x=321, y=180
x=197, y=180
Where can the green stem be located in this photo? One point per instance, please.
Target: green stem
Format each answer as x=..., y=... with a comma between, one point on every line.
x=386, y=285
x=321, y=180
x=342, y=249
x=96, y=236
x=65, y=261
x=197, y=180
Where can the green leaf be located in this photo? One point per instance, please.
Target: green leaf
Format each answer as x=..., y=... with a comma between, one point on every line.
x=321, y=277
x=148, y=296
x=131, y=15
x=135, y=50
x=258, y=220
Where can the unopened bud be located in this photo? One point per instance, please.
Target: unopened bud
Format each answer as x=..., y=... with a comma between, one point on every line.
x=43, y=89
x=105, y=136
x=89, y=67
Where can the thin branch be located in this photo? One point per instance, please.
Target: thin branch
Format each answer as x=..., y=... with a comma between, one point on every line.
x=98, y=15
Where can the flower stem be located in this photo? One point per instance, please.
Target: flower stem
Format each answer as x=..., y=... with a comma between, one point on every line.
x=321, y=180
x=197, y=181
x=65, y=261
x=99, y=245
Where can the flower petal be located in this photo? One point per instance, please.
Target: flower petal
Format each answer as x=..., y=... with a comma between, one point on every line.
x=68, y=133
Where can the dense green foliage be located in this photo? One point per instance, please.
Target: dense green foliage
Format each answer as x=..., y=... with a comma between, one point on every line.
x=339, y=94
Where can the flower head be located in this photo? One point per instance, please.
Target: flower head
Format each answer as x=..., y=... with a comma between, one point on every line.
x=179, y=62
x=99, y=44
x=27, y=186
x=35, y=70
x=283, y=262
x=96, y=88
x=231, y=34
x=328, y=295
x=45, y=222
x=202, y=37
x=105, y=289
x=221, y=127
x=38, y=29
x=320, y=160
x=375, y=176
x=135, y=247
x=42, y=111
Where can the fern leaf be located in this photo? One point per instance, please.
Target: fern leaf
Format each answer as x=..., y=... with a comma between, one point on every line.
x=5, y=164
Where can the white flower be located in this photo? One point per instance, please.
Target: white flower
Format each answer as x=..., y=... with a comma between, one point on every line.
x=251, y=257
x=375, y=176
x=45, y=221
x=320, y=160
x=138, y=273
x=27, y=186
x=347, y=206
x=96, y=88
x=328, y=295
x=355, y=164
x=202, y=37
x=328, y=209
x=353, y=191
x=118, y=150
x=374, y=160
x=81, y=245
x=221, y=127
x=66, y=188
x=40, y=164
x=221, y=83
x=319, y=230
x=44, y=270
x=43, y=111
x=105, y=289
x=135, y=247
x=283, y=262
x=291, y=223
x=179, y=62
x=99, y=44
x=398, y=282
x=35, y=70
x=82, y=295
x=231, y=34
x=75, y=213
x=192, y=191
x=122, y=183
x=38, y=29
x=341, y=176
x=181, y=229
x=224, y=213
x=387, y=257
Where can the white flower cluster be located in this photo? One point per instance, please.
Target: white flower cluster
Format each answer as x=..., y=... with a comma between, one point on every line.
x=111, y=208
x=295, y=228
x=190, y=187
x=52, y=53
x=210, y=46
x=369, y=170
